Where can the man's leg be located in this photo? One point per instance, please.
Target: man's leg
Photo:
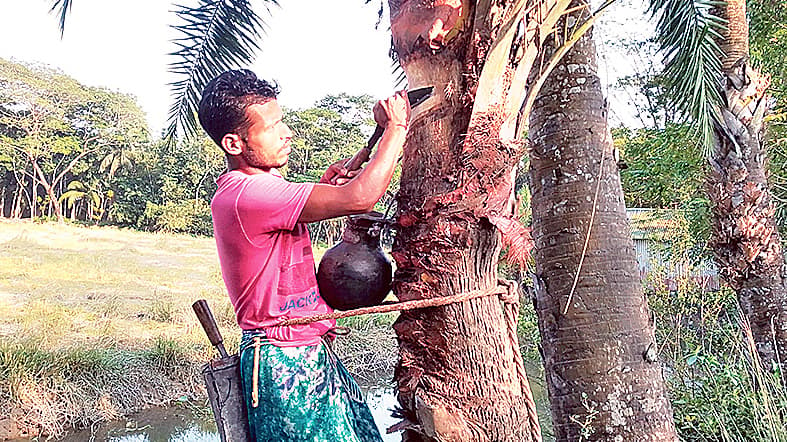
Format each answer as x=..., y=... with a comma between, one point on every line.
x=301, y=396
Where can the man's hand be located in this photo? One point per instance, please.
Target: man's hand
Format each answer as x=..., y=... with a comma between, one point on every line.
x=337, y=174
x=394, y=110
x=340, y=192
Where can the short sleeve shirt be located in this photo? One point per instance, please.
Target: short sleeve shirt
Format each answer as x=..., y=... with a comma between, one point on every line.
x=266, y=255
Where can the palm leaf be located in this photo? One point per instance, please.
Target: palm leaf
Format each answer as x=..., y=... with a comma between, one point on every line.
x=517, y=238
x=215, y=36
x=63, y=7
x=400, y=77
x=687, y=32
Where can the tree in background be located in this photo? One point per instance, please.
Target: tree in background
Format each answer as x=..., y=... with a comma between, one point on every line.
x=52, y=128
x=336, y=127
x=767, y=39
x=92, y=151
x=598, y=336
x=713, y=82
x=330, y=130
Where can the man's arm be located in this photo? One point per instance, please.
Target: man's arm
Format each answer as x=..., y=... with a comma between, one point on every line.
x=360, y=194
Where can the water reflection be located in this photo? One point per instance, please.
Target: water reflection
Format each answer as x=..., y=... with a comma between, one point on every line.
x=170, y=424
x=175, y=424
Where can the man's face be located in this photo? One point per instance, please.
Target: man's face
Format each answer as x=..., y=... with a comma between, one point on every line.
x=267, y=142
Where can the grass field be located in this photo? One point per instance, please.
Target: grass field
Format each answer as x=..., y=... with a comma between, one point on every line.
x=96, y=323
x=64, y=285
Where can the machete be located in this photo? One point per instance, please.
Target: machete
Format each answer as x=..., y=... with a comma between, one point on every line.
x=415, y=97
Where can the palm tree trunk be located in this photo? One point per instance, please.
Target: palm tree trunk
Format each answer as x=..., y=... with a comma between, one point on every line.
x=459, y=376
x=599, y=347
x=744, y=238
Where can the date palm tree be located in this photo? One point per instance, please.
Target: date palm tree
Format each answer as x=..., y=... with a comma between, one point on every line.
x=706, y=45
x=597, y=334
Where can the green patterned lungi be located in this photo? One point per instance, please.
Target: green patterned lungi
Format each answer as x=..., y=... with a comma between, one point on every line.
x=304, y=394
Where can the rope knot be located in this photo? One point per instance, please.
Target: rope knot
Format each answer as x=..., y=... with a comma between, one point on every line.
x=510, y=294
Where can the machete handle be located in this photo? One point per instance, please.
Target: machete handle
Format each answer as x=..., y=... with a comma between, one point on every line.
x=205, y=317
x=362, y=155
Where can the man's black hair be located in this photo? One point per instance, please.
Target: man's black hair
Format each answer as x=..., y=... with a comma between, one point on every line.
x=222, y=109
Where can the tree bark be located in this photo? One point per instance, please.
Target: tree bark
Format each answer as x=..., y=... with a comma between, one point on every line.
x=53, y=202
x=735, y=38
x=744, y=238
x=34, y=198
x=460, y=375
x=598, y=339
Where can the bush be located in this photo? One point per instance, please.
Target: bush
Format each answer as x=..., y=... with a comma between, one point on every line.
x=188, y=216
x=719, y=391
x=728, y=397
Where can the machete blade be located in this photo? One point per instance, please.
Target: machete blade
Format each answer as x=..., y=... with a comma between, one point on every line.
x=419, y=95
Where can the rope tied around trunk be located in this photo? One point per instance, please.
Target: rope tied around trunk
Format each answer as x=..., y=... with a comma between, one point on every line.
x=397, y=306
x=510, y=302
x=508, y=291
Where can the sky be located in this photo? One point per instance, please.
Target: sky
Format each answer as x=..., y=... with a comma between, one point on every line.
x=123, y=45
x=312, y=48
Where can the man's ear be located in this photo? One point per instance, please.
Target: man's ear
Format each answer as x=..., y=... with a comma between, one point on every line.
x=232, y=144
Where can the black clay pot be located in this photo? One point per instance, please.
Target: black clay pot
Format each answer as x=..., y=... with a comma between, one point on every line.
x=356, y=273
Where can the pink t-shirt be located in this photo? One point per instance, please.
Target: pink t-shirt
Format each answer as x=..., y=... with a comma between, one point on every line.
x=266, y=256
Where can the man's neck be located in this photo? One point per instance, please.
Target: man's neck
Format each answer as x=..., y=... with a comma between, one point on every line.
x=249, y=170
x=235, y=163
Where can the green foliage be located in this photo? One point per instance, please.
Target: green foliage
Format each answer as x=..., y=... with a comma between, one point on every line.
x=687, y=34
x=331, y=130
x=54, y=130
x=168, y=354
x=188, y=216
x=104, y=169
x=664, y=171
x=24, y=360
x=728, y=398
x=63, y=7
x=169, y=188
x=214, y=37
x=718, y=391
x=768, y=38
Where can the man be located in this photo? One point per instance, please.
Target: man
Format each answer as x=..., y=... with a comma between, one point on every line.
x=295, y=388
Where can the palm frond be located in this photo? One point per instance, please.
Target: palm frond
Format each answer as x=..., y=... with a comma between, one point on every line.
x=215, y=36
x=397, y=71
x=63, y=7
x=688, y=34
x=517, y=238
x=379, y=13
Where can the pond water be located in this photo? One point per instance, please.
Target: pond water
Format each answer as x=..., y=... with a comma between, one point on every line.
x=179, y=424
x=182, y=424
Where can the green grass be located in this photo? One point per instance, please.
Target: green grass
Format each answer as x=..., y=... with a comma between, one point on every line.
x=63, y=284
x=96, y=323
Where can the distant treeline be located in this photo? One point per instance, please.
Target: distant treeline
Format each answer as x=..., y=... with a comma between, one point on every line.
x=72, y=152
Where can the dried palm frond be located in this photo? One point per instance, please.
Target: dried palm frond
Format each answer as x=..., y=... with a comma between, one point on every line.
x=516, y=237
